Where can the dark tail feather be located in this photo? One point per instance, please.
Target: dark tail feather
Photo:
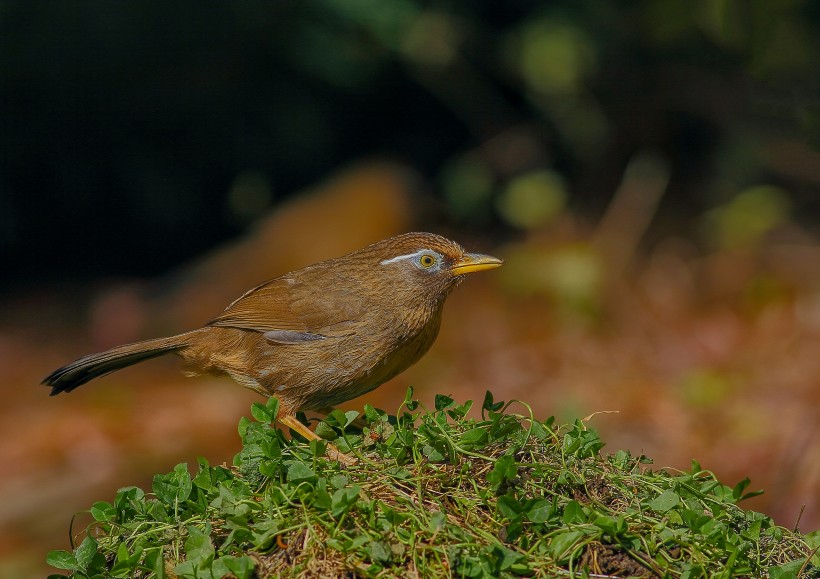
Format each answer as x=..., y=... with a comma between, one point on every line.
x=80, y=371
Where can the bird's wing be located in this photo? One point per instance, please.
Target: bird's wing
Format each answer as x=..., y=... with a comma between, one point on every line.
x=288, y=307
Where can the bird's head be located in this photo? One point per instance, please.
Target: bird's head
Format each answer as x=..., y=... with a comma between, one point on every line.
x=427, y=265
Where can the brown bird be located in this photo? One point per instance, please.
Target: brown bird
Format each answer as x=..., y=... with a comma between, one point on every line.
x=317, y=336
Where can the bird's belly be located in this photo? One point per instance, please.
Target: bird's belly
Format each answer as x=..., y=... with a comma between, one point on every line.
x=316, y=375
x=325, y=382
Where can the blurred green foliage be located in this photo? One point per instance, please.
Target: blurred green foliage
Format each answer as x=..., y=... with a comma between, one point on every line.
x=706, y=387
x=142, y=132
x=532, y=199
x=748, y=216
x=571, y=277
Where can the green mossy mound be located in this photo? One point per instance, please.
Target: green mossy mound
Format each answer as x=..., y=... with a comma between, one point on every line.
x=435, y=494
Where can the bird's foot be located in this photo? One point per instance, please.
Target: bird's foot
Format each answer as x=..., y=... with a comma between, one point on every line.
x=332, y=452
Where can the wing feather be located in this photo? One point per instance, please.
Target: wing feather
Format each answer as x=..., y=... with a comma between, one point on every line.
x=294, y=305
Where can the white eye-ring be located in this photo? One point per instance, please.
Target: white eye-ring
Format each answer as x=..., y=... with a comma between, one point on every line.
x=425, y=259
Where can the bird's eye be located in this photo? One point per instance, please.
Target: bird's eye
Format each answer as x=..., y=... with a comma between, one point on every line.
x=427, y=260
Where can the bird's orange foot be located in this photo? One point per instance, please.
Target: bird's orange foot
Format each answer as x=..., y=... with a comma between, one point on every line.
x=332, y=452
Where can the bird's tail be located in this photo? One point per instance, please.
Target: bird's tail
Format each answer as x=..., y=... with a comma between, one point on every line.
x=80, y=371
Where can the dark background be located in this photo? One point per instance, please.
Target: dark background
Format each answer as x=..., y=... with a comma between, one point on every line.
x=126, y=126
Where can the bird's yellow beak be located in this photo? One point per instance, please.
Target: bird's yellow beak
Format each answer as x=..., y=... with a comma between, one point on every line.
x=471, y=262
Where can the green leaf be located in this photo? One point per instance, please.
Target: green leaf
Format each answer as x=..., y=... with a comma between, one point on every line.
x=319, y=447
x=582, y=442
x=300, y=472
x=474, y=436
x=261, y=413
x=437, y=521
x=379, y=552
x=338, y=481
x=348, y=544
x=787, y=570
x=408, y=400
x=504, y=469
x=208, y=478
x=574, y=513
x=203, y=479
x=664, y=502
x=242, y=427
x=563, y=545
x=372, y=414
x=272, y=449
x=513, y=531
x=128, y=502
x=459, y=411
x=187, y=570
x=541, y=511
x=443, y=401
x=489, y=404
x=614, y=526
x=272, y=405
x=432, y=453
x=198, y=547
x=738, y=491
x=155, y=562
x=85, y=552
x=538, y=431
x=343, y=499
x=174, y=487
x=122, y=553
x=240, y=567
x=249, y=460
x=62, y=560
x=813, y=541
x=103, y=511
x=325, y=431
x=506, y=557
x=336, y=418
x=321, y=497
x=125, y=562
x=694, y=520
x=350, y=416
x=751, y=494
x=621, y=459
x=509, y=507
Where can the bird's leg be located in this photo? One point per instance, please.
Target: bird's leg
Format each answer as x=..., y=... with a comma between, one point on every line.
x=334, y=453
x=358, y=422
